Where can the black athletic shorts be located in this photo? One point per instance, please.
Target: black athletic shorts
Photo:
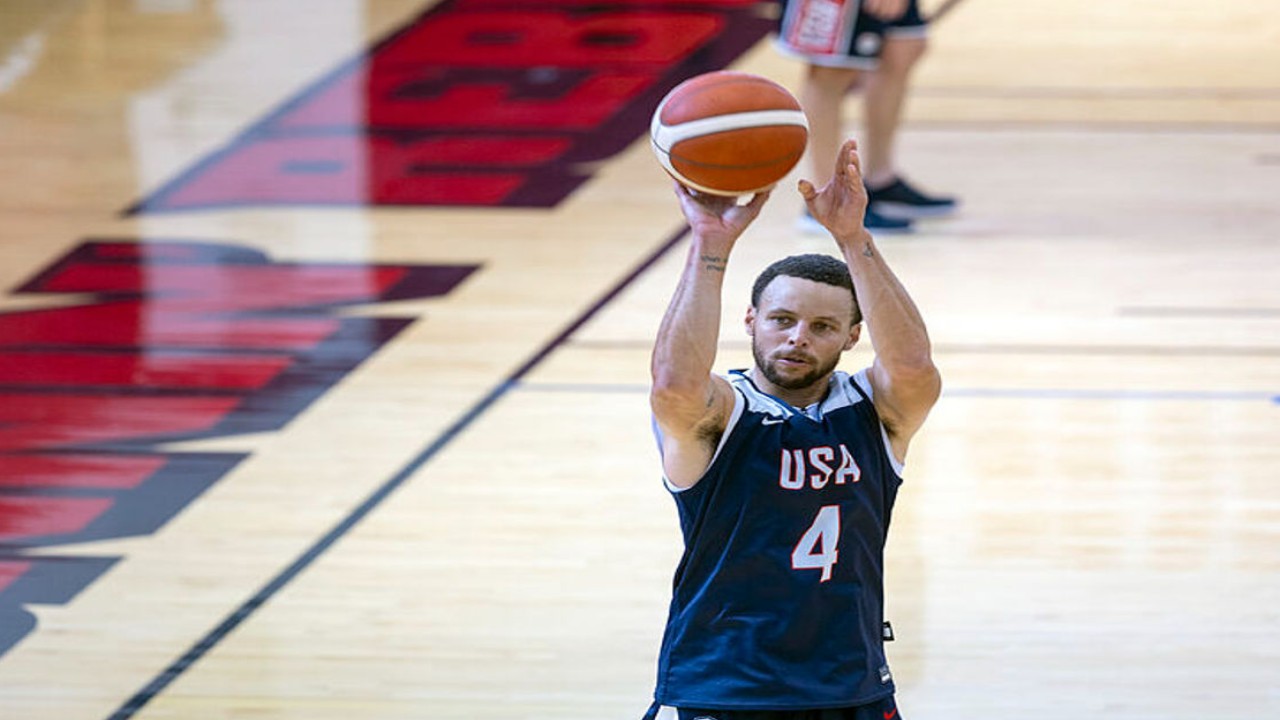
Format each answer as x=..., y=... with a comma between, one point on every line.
x=836, y=33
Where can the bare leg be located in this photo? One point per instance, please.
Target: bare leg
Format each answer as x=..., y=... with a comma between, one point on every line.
x=885, y=96
x=822, y=97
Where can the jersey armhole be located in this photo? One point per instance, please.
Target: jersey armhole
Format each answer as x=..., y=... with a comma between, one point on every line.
x=863, y=382
x=739, y=405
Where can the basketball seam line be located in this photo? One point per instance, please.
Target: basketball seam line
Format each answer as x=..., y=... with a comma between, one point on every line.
x=665, y=136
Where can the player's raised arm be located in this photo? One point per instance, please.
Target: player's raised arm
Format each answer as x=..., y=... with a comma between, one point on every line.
x=905, y=381
x=690, y=404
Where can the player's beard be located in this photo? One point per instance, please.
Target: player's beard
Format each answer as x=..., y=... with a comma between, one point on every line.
x=817, y=373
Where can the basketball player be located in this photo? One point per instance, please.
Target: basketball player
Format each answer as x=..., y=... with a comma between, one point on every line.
x=875, y=43
x=784, y=475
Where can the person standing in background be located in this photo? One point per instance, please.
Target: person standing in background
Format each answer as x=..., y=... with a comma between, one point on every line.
x=874, y=45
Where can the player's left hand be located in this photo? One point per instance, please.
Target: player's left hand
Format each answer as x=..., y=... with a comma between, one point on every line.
x=841, y=204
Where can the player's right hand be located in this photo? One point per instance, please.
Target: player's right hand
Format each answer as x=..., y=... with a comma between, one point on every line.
x=716, y=217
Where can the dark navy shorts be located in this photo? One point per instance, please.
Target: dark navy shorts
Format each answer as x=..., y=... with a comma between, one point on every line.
x=836, y=33
x=883, y=709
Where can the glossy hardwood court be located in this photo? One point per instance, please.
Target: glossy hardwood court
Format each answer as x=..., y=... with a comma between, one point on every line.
x=324, y=337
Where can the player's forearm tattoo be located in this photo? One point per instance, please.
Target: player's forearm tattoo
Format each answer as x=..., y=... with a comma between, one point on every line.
x=867, y=251
x=713, y=262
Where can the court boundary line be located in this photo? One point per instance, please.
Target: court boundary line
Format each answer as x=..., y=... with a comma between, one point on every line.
x=1029, y=393
x=241, y=613
x=1092, y=127
x=1124, y=93
x=1162, y=351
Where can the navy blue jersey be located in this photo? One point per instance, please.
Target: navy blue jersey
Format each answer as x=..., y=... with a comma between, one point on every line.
x=778, y=600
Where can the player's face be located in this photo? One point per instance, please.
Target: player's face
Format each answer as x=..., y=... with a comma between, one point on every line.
x=799, y=330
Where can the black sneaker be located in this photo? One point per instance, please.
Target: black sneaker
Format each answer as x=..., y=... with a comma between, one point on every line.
x=873, y=221
x=900, y=201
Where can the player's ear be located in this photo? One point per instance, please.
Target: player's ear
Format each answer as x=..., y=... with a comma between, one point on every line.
x=750, y=321
x=854, y=333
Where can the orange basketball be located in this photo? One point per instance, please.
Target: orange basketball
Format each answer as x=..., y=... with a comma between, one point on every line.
x=729, y=133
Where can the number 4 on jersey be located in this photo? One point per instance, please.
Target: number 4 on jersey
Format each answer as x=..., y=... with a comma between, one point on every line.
x=817, y=547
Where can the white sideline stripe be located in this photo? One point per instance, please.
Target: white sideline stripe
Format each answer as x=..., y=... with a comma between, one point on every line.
x=665, y=136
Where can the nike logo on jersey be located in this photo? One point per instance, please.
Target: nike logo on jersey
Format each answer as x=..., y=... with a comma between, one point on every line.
x=890, y=714
x=772, y=421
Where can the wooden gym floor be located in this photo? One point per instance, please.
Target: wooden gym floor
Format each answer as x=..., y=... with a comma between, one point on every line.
x=332, y=445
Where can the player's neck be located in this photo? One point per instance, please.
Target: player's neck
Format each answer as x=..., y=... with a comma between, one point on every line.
x=795, y=397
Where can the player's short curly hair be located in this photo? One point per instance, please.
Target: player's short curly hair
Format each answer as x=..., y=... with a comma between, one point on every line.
x=812, y=266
